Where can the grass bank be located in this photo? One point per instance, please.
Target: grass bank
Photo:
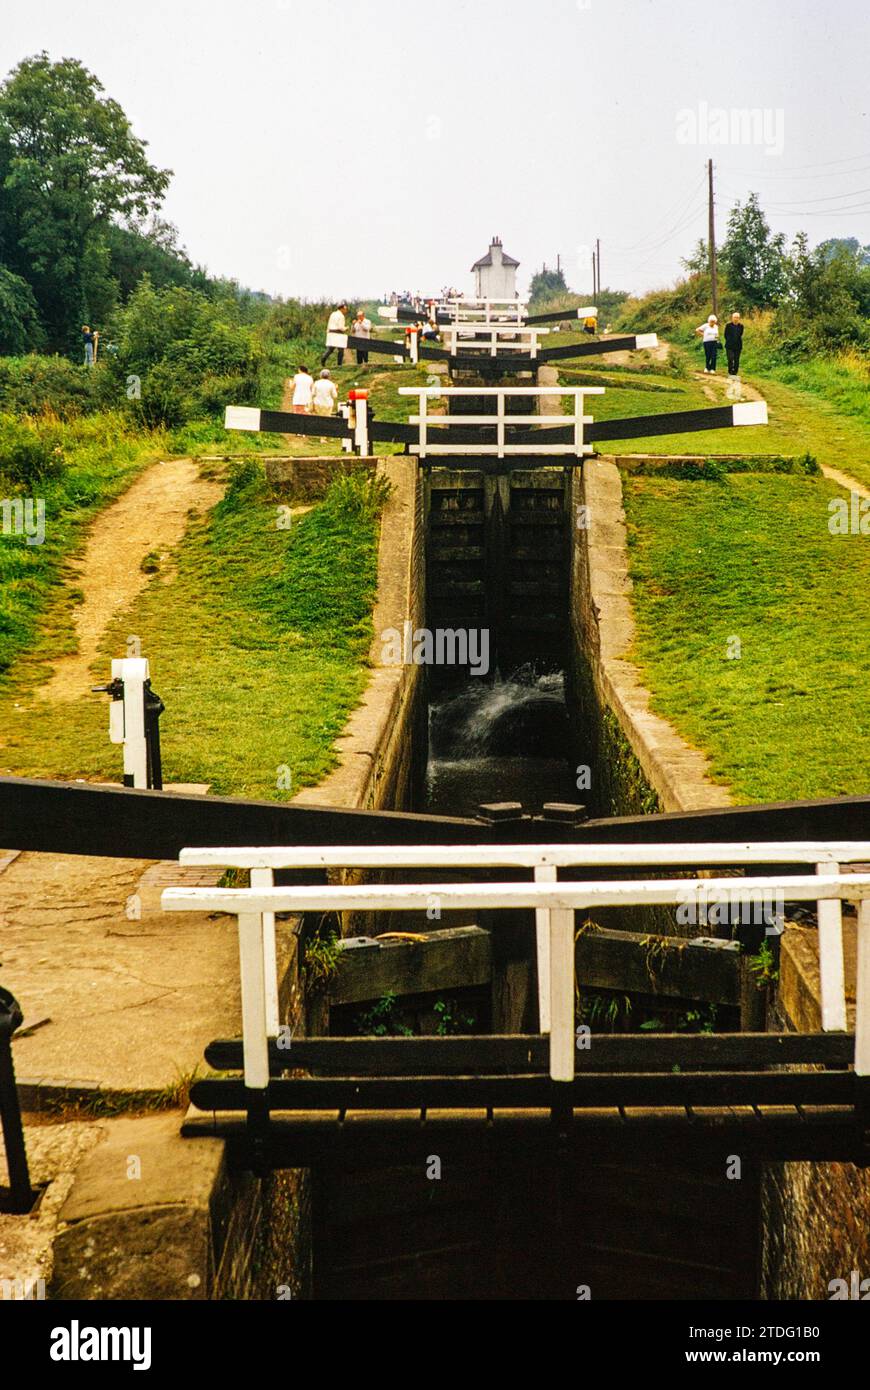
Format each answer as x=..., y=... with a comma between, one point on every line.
x=72, y=469
x=257, y=634
x=752, y=624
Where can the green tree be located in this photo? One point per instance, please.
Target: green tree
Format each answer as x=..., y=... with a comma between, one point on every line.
x=753, y=258
x=547, y=283
x=850, y=245
x=826, y=301
x=70, y=165
x=19, y=317
x=698, y=261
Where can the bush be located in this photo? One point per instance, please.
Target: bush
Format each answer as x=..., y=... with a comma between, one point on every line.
x=32, y=384
x=163, y=404
x=28, y=454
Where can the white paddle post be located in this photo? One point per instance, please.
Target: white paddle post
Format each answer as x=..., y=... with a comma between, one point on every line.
x=127, y=716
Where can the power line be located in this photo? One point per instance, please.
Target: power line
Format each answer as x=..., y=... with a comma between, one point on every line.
x=831, y=198
x=681, y=203
x=693, y=216
x=827, y=164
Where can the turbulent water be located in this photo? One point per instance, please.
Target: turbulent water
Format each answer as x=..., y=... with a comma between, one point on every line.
x=504, y=739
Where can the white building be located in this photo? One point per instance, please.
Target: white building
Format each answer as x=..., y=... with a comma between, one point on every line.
x=495, y=274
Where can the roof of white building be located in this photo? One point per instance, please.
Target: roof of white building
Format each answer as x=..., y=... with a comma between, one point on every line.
x=487, y=259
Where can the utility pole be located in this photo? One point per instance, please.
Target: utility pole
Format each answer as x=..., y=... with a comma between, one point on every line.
x=711, y=236
x=598, y=267
x=594, y=281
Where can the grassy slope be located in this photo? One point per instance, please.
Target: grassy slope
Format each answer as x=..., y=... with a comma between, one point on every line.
x=800, y=421
x=381, y=377
x=257, y=642
x=751, y=557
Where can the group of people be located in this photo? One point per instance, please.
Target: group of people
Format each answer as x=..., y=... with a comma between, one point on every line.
x=360, y=327
x=417, y=301
x=312, y=397
x=709, y=333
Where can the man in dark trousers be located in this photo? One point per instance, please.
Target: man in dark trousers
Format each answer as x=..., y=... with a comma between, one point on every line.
x=734, y=343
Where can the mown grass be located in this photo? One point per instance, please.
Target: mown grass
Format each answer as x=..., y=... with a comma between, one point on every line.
x=102, y=453
x=750, y=557
x=257, y=638
x=802, y=418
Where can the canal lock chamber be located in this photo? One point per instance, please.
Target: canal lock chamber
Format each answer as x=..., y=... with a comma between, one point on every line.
x=498, y=560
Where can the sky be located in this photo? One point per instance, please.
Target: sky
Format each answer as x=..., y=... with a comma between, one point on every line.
x=352, y=147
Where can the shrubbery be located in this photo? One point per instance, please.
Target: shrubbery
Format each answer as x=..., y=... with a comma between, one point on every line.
x=28, y=454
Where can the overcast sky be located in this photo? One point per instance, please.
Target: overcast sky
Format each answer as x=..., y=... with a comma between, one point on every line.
x=356, y=146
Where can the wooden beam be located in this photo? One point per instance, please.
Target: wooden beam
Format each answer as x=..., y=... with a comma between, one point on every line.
x=492, y=1055
x=452, y=958
x=320, y=1138
x=666, y=966
x=123, y=822
x=506, y=1092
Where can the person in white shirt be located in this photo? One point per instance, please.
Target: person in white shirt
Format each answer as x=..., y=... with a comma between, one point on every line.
x=325, y=394
x=710, y=336
x=303, y=389
x=361, y=328
x=337, y=324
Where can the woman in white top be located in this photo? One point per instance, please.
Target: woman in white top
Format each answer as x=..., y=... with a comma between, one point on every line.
x=303, y=389
x=325, y=394
x=710, y=335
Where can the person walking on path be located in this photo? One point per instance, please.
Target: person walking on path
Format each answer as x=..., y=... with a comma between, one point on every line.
x=710, y=335
x=90, y=340
x=337, y=324
x=303, y=390
x=361, y=328
x=324, y=396
x=734, y=343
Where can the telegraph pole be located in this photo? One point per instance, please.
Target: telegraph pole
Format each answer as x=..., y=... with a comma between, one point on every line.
x=711, y=237
x=594, y=281
x=598, y=267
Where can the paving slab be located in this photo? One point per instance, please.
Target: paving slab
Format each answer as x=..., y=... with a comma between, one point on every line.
x=132, y=999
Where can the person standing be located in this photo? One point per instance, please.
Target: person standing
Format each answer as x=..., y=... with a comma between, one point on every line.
x=734, y=343
x=337, y=324
x=324, y=396
x=90, y=340
x=361, y=328
x=303, y=390
x=710, y=336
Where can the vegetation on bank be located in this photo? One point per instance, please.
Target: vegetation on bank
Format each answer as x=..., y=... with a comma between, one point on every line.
x=67, y=471
x=257, y=634
x=751, y=628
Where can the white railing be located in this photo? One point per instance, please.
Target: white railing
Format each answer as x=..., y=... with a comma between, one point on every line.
x=489, y=310
x=500, y=420
x=554, y=903
x=492, y=338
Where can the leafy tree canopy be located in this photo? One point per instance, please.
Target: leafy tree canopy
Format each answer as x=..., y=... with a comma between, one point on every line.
x=753, y=258
x=70, y=165
x=19, y=317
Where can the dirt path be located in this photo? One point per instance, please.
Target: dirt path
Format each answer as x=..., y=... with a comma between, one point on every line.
x=717, y=386
x=152, y=515
x=625, y=359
